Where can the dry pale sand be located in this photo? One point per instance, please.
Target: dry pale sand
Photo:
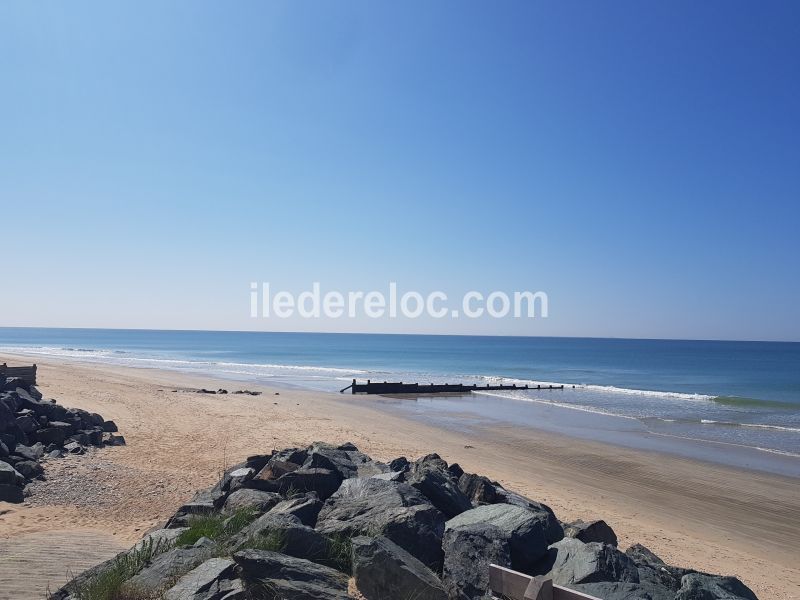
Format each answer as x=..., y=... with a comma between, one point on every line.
x=694, y=514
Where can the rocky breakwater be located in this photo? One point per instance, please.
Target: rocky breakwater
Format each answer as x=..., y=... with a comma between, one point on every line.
x=33, y=429
x=327, y=522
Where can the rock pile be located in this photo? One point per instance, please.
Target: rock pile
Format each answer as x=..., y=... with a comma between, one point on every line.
x=32, y=428
x=311, y=523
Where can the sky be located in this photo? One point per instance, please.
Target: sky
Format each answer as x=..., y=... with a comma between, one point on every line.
x=638, y=162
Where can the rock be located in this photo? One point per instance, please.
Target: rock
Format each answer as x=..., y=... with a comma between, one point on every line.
x=3, y=450
x=661, y=580
x=455, y=471
x=291, y=577
x=161, y=572
x=468, y=552
x=368, y=506
x=110, y=427
x=349, y=446
x=34, y=452
x=256, y=500
x=9, y=475
x=27, y=423
x=436, y=484
x=305, y=508
x=592, y=531
x=272, y=471
x=614, y=591
x=348, y=463
x=29, y=469
x=477, y=488
x=9, y=440
x=699, y=586
x=525, y=529
x=12, y=383
x=74, y=448
x=288, y=536
x=237, y=478
x=382, y=569
x=399, y=465
x=202, y=582
x=109, y=439
x=554, y=532
x=322, y=481
x=576, y=562
x=11, y=493
x=50, y=435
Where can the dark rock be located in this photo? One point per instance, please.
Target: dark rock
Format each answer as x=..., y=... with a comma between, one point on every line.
x=436, y=484
x=289, y=536
x=3, y=450
x=322, y=481
x=96, y=437
x=305, y=508
x=27, y=423
x=237, y=478
x=29, y=469
x=655, y=575
x=432, y=460
x=9, y=440
x=348, y=463
x=399, y=464
x=274, y=470
x=9, y=475
x=592, y=531
x=34, y=452
x=369, y=506
x=74, y=448
x=251, y=499
x=382, y=569
x=50, y=435
x=477, y=488
x=455, y=471
x=257, y=461
x=349, y=446
x=161, y=572
x=80, y=438
x=11, y=493
x=555, y=532
x=468, y=552
x=525, y=529
x=615, y=591
x=110, y=427
x=290, y=577
x=699, y=586
x=204, y=581
x=109, y=439
x=576, y=562
x=12, y=383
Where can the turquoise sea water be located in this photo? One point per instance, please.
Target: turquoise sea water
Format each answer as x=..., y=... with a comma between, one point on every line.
x=738, y=393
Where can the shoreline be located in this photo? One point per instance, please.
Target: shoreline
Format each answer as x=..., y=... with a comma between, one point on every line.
x=715, y=518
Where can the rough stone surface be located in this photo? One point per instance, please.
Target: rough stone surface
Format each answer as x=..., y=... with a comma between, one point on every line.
x=201, y=580
x=396, y=510
x=438, y=486
x=290, y=577
x=251, y=499
x=699, y=586
x=525, y=529
x=576, y=562
x=591, y=531
x=382, y=569
x=468, y=552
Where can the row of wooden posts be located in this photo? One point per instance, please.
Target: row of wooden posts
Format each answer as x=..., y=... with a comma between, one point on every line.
x=506, y=584
x=27, y=374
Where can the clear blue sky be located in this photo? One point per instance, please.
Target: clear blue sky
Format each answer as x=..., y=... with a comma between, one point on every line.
x=638, y=161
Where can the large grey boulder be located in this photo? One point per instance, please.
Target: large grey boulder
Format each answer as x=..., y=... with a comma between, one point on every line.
x=323, y=482
x=290, y=577
x=576, y=562
x=306, y=508
x=287, y=535
x=699, y=586
x=591, y=531
x=554, y=530
x=255, y=500
x=209, y=581
x=525, y=529
x=10, y=476
x=34, y=452
x=438, y=486
x=369, y=506
x=468, y=552
x=382, y=569
x=165, y=568
x=344, y=459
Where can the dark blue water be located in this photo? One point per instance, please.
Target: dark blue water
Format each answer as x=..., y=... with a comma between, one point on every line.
x=745, y=393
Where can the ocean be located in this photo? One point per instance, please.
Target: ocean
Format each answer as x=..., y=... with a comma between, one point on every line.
x=737, y=394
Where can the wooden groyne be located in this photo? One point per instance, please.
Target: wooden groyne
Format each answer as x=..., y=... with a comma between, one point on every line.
x=27, y=374
x=398, y=387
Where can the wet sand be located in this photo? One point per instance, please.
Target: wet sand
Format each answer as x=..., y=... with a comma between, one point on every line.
x=710, y=517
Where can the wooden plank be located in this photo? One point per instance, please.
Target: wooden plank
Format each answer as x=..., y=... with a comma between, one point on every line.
x=513, y=585
x=28, y=374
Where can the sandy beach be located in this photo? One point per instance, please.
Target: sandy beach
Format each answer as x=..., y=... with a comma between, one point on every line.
x=709, y=517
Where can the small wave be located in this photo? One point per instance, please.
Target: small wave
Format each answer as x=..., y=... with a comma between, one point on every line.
x=737, y=401
x=578, y=407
